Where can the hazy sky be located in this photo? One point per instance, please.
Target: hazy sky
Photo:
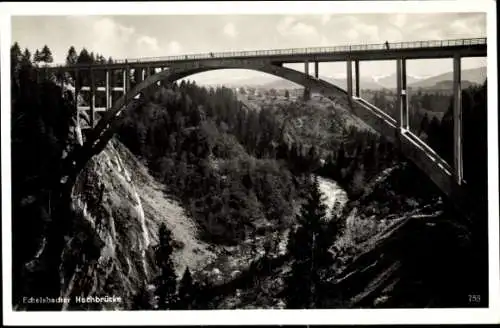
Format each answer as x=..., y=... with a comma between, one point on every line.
x=146, y=36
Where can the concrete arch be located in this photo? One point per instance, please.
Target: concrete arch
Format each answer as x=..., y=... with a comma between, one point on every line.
x=176, y=73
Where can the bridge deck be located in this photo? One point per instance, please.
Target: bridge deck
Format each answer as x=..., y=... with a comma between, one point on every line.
x=475, y=47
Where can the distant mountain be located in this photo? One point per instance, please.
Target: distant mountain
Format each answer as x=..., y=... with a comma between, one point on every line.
x=279, y=84
x=366, y=83
x=448, y=85
x=390, y=81
x=474, y=75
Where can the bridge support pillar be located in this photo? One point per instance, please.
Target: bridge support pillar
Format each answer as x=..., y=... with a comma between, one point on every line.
x=404, y=99
x=126, y=80
x=349, y=81
x=307, y=91
x=316, y=70
x=77, y=85
x=111, y=87
x=108, y=102
x=143, y=75
x=402, y=91
x=356, y=73
x=92, y=98
x=457, y=119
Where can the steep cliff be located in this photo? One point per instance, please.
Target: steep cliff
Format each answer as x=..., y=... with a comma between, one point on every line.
x=119, y=207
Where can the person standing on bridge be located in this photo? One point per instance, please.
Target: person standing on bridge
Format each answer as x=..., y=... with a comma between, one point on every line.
x=387, y=45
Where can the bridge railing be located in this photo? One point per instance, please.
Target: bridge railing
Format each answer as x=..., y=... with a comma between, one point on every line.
x=304, y=51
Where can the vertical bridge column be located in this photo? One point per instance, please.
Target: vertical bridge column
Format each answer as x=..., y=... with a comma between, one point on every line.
x=126, y=80
x=92, y=98
x=307, y=91
x=404, y=118
x=349, y=81
x=77, y=85
x=143, y=74
x=112, y=81
x=108, y=92
x=316, y=70
x=457, y=120
x=402, y=99
x=356, y=73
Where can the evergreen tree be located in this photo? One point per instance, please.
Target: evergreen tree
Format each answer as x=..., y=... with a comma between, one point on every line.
x=37, y=58
x=282, y=151
x=46, y=55
x=143, y=299
x=84, y=57
x=340, y=163
x=312, y=158
x=424, y=125
x=72, y=57
x=186, y=291
x=303, y=282
x=26, y=58
x=307, y=94
x=15, y=54
x=15, y=64
x=167, y=280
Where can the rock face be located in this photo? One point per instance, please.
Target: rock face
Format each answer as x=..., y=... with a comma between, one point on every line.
x=120, y=207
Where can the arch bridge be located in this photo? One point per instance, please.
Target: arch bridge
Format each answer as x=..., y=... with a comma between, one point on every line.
x=109, y=89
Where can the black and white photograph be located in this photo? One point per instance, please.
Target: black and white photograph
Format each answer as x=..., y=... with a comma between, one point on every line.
x=163, y=158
